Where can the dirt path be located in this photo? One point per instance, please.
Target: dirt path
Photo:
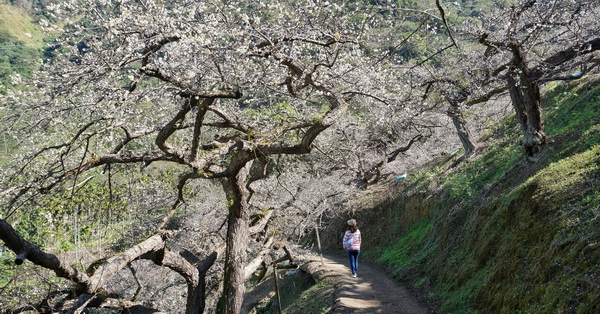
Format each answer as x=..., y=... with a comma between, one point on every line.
x=371, y=292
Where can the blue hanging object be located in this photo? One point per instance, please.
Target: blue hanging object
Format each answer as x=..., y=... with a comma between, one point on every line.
x=400, y=177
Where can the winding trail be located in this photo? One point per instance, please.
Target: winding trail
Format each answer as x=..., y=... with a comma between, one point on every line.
x=371, y=292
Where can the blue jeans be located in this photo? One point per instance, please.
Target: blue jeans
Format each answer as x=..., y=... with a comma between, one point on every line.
x=353, y=256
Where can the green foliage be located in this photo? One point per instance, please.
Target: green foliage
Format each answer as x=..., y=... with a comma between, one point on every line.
x=530, y=247
x=66, y=220
x=66, y=246
x=529, y=240
x=18, y=24
x=477, y=8
x=89, y=215
x=299, y=293
x=569, y=187
x=7, y=266
x=16, y=58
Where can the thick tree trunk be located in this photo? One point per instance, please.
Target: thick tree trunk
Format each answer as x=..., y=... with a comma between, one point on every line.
x=237, y=241
x=195, y=298
x=238, y=231
x=523, y=85
x=528, y=110
x=525, y=95
x=194, y=272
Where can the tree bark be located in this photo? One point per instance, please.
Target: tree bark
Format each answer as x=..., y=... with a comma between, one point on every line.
x=525, y=95
x=195, y=276
x=259, y=259
x=155, y=245
x=238, y=231
x=461, y=128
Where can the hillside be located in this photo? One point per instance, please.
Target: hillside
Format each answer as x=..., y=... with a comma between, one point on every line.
x=497, y=233
x=161, y=154
x=18, y=24
x=20, y=44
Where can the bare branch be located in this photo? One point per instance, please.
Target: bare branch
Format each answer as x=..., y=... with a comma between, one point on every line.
x=262, y=223
x=266, y=43
x=569, y=54
x=433, y=55
x=154, y=47
x=443, y=15
x=375, y=171
x=169, y=129
x=229, y=123
x=198, y=123
x=404, y=40
x=255, y=263
x=487, y=96
x=129, y=137
x=384, y=101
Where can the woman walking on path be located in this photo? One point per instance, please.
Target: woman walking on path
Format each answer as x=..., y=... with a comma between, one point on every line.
x=351, y=243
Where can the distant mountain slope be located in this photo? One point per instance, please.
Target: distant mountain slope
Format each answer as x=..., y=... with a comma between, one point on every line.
x=20, y=43
x=17, y=23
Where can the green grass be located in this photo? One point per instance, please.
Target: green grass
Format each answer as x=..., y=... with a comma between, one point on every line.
x=572, y=107
x=401, y=253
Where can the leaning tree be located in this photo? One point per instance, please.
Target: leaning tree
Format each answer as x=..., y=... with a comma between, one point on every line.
x=531, y=43
x=186, y=84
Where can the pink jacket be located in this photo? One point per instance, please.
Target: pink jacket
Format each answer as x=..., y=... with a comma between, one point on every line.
x=355, y=237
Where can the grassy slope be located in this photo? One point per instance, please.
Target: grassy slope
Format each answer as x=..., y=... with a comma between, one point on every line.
x=21, y=42
x=500, y=234
x=17, y=23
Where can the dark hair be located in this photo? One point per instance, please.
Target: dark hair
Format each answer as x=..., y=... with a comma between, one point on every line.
x=352, y=228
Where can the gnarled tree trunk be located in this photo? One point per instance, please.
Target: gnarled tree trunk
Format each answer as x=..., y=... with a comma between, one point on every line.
x=237, y=242
x=525, y=95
